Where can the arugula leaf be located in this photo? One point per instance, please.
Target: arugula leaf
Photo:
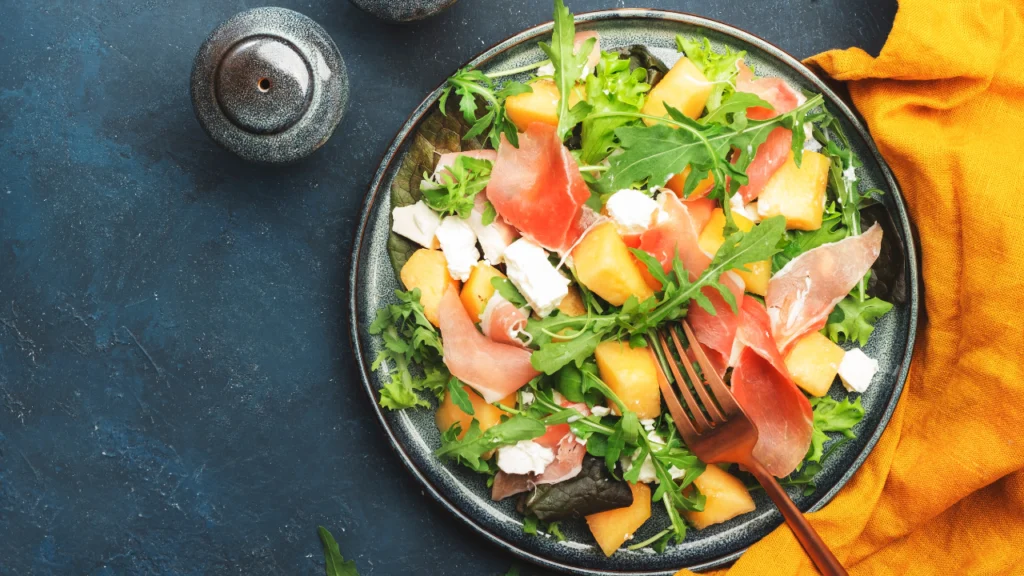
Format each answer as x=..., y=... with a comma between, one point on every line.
x=468, y=85
x=455, y=188
x=475, y=444
x=490, y=213
x=335, y=563
x=832, y=416
x=568, y=63
x=508, y=291
x=612, y=88
x=556, y=531
x=569, y=382
x=459, y=396
x=855, y=321
x=718, y=68
x=551, y=358
x=409, y=340
x=530, y=524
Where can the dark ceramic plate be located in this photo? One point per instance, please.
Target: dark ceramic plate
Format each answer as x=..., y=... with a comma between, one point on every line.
x=413, y=433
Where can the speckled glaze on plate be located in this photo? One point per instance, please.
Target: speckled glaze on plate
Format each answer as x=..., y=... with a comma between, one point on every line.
x=413, y=433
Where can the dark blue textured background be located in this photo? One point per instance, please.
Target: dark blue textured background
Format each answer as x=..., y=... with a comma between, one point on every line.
x=177, y=393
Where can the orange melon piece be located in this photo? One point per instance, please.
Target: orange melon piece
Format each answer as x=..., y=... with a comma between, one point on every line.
x=677, y=184
x=572, y=304
x=478, y=289
x=813, y=362
x=684, y=88
x=711, y=239
x=797, y=193
x=541, y=105
x=727, y=498
x=605, y=265
x=428, y=271
x=612, y=528
x=632, y=374
x=486, y=414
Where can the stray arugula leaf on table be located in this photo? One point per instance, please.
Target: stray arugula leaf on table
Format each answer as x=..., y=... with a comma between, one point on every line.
x=721, y=69
x=409, y=340
x=569, y=65
x=335, y=563
x=457, y=186
x=855, y=321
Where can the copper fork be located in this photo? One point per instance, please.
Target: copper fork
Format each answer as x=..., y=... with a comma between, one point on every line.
x=722, y=432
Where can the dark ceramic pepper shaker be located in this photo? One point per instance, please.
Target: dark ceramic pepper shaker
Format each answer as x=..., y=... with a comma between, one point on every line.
x=403, y=10
x=270, y=85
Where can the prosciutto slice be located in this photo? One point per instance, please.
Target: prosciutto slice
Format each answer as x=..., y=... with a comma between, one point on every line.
x=763, y=387
x=492, y=369
x=502, y=322
x=772, y=153
x=538, y=189
x=802, y=295
x=677, y=232
x=717, y=332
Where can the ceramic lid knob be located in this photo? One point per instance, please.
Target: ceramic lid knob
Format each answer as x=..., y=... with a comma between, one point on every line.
x=403, y=10
x=270, y=85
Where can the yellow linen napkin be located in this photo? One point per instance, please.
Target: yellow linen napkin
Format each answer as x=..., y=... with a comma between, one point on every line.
x=943, y=491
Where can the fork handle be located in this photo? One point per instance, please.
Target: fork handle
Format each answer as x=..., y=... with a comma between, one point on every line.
x=816, y=548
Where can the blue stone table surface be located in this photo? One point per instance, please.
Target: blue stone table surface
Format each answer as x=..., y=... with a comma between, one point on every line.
x=177, y=388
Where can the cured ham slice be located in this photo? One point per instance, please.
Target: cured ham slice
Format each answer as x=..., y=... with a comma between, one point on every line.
x=774, y=91
x=538, y=189
x=717, y=332
x=804, y=292
x=772, y=153
x=502, y=322
x=677, y=232
x=770, y=156
x=780, y=411
x=568, y=462
x=492, y=369
x=763, y=387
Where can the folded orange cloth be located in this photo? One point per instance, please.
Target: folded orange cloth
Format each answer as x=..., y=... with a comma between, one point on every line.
x=943, y=491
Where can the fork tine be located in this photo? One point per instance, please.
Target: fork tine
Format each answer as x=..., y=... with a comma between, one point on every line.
x=718, y=387
x=683, y=423
x=698, y=416
x=698, y=384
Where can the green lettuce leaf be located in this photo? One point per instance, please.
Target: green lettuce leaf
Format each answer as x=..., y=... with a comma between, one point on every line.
x=832, y=416
x=718, y=68
x=855, y=321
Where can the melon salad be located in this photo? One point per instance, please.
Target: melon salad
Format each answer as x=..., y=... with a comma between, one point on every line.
x=545, y=228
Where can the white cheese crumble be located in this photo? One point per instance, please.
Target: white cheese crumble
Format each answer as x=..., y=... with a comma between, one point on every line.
x=527, y=398
x=549, y=70
x=737, y=206
x=648, y=424
x=458, y=242
x=648, y=473
x=524, y=457
x=631, y=210
x=491, y=238
x=528, y=268
x=600, y=411
x=856, y=370
x=850, y=174
x=417, y=222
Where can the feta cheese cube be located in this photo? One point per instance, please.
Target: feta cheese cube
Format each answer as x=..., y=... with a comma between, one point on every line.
x=632, y=211
x=600, y=411
x=528, y=268
x=737, y=206
x=494, y=238
x=417, y=222
x=524, y=457
x=458, y=242
x=856, y=370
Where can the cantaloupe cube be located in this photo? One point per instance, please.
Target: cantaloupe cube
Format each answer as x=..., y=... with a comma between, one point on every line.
x=486, y=414
x=541, y=105
x=478, y=289
x=428, y=271
x=572, y=303
x=632, y=374
x=677, y=184
x=711, y=239
x=605, y=266
x=727, y=498
x=813, y=362
x=797, y=193
x=612, y=528
x=684, y=88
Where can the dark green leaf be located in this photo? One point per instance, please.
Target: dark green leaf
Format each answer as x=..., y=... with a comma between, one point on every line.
x=593, y=490
x=336, y=565
x=552, y=357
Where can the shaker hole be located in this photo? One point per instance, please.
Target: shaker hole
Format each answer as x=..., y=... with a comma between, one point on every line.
x=263, y=84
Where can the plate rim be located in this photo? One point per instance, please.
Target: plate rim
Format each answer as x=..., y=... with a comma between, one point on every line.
x=389, y=156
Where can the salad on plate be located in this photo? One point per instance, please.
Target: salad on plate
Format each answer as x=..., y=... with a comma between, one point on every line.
x=544, y=228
